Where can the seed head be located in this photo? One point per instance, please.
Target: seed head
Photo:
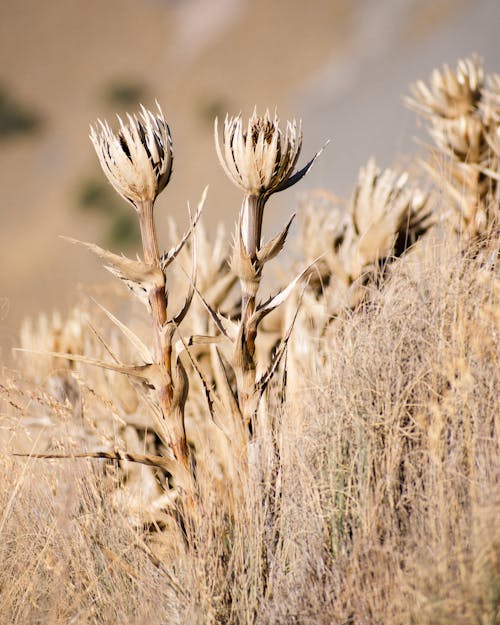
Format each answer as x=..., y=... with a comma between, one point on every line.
x=138, y=159
x=450, y=94
x=260, y=158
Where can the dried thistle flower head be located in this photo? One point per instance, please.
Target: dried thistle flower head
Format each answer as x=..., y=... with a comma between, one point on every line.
x=388, y=215
x=451, y=94
x=260, y=158
x=384, y=217
x=138, y=159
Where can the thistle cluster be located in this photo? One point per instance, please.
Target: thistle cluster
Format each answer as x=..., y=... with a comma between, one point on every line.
x=211, y=339
x=462, y=109
x=137, y=160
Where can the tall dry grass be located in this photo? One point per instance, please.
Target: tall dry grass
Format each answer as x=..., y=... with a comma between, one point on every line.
x=369, y=487
x=377, y=501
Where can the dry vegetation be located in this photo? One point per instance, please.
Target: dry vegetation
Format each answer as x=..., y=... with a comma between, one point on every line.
x=326, y=455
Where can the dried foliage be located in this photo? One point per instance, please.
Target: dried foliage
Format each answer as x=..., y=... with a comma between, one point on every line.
x=463, y=116
x=329, y=454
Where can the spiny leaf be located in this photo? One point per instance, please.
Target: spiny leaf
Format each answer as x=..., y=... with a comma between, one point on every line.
x=137, y=275
x=179, y=317
x=169, y=256
x=273, y=247
x=206, y=387
x=103, y=343
x=246, y=268
x=153, y=374
x=143, y=351
x=227, y=327
x=175, y=468
x=300, y=174
x=273, y=302
x=228, y=398
x=264, y=380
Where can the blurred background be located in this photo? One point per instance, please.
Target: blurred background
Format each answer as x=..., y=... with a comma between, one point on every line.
x=343, y=66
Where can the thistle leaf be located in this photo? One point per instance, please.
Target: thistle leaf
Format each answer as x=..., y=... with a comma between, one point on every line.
x=273, y=302
x=143, y=351
x=227, y=327
x=273, y=247
x=179, y=317
x=169, y=256
x=181, y=345
x=137, y=275
x=153, y=374
x=175, y=468
x=228, y=397
x=299, y=174
x=264, y=380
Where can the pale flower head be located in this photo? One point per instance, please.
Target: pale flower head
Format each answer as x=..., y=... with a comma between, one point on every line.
x=260, y=157
x=137, y=160
x=450, y=94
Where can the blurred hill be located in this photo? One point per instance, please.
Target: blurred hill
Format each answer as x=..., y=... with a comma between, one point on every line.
x=342, y=66
x=68, y=63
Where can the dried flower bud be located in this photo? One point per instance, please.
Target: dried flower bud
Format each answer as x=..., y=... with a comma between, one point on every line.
x=261, y=158
x=451, y=94
x=138, y=159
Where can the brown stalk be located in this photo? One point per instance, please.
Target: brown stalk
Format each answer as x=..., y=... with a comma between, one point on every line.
x=171, y=402
x=248, y=246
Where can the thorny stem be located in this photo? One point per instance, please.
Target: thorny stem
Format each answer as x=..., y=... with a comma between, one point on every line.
x=157, y=297
x=252, y=212
x=250, y=224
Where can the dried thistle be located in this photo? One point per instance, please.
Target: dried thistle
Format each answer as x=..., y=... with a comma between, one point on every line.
x=490, y=101
x=138, y=163
x=384, y=217
x=450, y=94
x=260, y=159
x=463, y=119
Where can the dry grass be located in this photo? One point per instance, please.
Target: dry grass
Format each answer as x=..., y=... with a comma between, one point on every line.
x=365, y=492
x=376, y=502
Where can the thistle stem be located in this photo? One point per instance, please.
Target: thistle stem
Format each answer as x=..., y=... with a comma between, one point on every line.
x=250, y=224
x=252, y=212
x=173, y=412
x=157, y=296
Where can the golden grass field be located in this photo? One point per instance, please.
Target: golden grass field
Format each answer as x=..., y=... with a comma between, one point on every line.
x=325, y=453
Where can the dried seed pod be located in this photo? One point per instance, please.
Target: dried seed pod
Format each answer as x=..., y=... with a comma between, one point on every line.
x=261, y=158
x=451, y=94
x=138, y=159
x=386, y=214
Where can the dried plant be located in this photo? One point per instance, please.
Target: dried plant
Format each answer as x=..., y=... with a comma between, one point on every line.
x=260, y=159
x=358, y=243
x=138, y=163
x=369, y=494
x=385, y=216
x=463, y=118
x=91, y=408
